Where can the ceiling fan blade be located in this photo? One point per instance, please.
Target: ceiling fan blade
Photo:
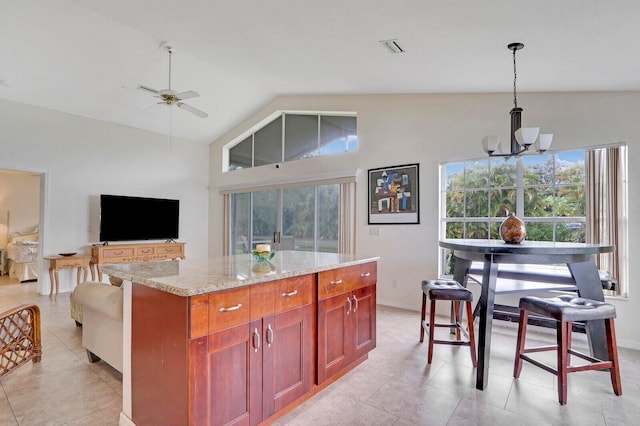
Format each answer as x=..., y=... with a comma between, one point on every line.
x=148, y=90
x=187, y=95
x=192, y=110
x=152, y=106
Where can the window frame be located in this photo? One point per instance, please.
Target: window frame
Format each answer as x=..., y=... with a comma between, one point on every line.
x=282, y=115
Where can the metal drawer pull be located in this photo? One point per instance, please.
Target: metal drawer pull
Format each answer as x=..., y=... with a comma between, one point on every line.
x=231, y=309
x=365, y=275
x=256, y=340
x=336, y=282
x=355, y=299
x=269, y=335
x=118, y=253
x=349, y=302
x=291, y=293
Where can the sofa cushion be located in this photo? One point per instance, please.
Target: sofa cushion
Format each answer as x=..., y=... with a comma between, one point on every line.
x=106, y=299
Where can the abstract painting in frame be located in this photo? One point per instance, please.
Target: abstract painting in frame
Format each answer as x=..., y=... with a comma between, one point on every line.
x=394, y=195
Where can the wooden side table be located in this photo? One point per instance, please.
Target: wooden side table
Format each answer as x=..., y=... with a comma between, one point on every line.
x=56, y=263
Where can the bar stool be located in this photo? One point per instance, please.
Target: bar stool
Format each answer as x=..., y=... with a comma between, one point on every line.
x=565, y=309
x=456, y=293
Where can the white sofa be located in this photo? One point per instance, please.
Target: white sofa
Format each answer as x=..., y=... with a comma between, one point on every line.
x=101, y=319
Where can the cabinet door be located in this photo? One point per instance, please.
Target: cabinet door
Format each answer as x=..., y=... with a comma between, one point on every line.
x=287, y=358
x=364, y=318
x=335, y=335
x=234, y=370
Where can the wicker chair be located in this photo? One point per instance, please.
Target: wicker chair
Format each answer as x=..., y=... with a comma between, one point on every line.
x=19, y=337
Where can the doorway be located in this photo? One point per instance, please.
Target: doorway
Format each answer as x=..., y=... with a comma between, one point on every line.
x=21, y=220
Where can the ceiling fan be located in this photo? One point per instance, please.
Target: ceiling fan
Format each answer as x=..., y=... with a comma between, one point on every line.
x=171, y=97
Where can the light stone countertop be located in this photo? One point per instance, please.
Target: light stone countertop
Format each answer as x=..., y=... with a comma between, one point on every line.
x=191, y=277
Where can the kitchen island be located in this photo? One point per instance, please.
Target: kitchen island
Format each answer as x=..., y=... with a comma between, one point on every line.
x=230, y=340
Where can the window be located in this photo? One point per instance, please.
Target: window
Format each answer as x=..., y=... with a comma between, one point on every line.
x=303, y=218
x=549, y=192
x=290, y=137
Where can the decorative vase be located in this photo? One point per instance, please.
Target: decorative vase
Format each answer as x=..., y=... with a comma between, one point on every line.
x=262, y=268
x=512, y=229
x=261, y=265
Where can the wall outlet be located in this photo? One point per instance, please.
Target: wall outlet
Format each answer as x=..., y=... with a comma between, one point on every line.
x=394, y=283
x=374, y=231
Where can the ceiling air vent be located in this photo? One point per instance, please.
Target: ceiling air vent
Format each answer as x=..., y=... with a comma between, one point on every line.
x=392, y=45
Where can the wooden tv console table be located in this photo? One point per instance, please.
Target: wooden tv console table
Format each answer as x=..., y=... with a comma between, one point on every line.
x=132, y=253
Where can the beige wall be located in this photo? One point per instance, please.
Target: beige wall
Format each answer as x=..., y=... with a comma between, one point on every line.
x=430, y=129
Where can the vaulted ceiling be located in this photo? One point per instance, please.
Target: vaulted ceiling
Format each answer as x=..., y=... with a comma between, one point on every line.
x=86, y=57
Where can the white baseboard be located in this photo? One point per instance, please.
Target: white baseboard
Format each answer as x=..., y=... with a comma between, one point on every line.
x=125, y=421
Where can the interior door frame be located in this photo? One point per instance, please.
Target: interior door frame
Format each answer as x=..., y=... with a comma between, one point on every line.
x=42, y=285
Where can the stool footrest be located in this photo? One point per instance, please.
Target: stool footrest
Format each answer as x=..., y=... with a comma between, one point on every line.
x=452, y=342
x=446, y=324
x=596, y=365
x=585, y=356
x=542, y=365
x=540, y=349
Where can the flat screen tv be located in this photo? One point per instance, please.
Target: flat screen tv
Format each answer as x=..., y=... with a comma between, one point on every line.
x=125, y=218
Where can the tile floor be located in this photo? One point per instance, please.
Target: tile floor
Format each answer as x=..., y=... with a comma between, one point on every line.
x=393, y=387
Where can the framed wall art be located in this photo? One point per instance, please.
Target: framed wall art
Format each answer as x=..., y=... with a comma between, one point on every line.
x=394, y=195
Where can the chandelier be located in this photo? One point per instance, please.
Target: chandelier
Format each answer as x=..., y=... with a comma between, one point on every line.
x=522, y=138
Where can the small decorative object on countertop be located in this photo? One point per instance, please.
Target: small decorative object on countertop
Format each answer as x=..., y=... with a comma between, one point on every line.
x=263, y=247
x=513, y=230
x=263, y=255
x=263, y=268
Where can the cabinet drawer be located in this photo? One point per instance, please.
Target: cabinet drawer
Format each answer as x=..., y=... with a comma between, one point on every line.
x=335, y=281
x=294, y=292
x=145, y=251
x=228, y=308
x=262, y=300
x=70, y=265
x=175, y=250
x=365, y=274
x=341, y=280
x=72, y=262
x=117, y=252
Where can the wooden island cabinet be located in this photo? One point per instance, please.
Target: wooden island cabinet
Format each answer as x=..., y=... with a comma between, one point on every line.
x=261, y=360
x=346, y=317
x=241, y=351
